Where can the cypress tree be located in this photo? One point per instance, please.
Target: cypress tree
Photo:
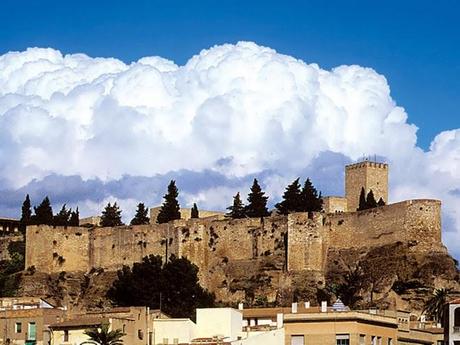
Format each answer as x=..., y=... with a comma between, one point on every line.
x=292, y=199
x=311, y=200
x=141, y=216
x=381, y=202
x=362, y=200
x=74, y=218
x=237, y=210
x=370, y=200
x=111, y=216
x=44, y=213
x=257, y=202
x=63, y=217
x=26, y=214
x=170, y=209
x=194, y=213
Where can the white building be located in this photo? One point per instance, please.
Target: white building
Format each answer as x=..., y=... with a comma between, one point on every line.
x=452, y=329
x=213, y=326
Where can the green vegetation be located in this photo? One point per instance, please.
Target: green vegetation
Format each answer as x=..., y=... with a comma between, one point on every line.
x=237, y=210
x=257, y=202
x=9, y=269
x=111, y=216
x=141, y=216
x=170, y=209
x=103, y=336
x=292, y=199
x=434, y=307
x=368, y=202
x=194, y=213
x=43, y=213
x=174, y=286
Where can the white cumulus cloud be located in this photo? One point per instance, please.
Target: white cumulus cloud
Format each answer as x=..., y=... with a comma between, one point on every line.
x=234, y=109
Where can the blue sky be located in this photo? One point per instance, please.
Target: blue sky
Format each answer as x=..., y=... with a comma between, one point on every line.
x=225, y=99
x=415, y=44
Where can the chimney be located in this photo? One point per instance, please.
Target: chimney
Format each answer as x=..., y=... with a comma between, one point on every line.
x=307, y=305
x=294, y=308
x=240, y=306
x=323, y=306
x=279, y=320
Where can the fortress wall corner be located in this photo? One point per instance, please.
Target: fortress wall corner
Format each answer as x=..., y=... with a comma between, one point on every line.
x=405, y=221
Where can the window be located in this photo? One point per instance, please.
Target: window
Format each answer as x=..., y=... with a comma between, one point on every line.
x=342, y=339
x=379, y=340
x=297, y=340
x=66, y=336
x=457, y=317
x=18, y=327
x=362, y=339
x=373, y=340
x=390, y=341
x=140, y=334
x=32, y=331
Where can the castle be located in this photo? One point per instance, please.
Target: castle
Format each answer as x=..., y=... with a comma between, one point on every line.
x=292, y=243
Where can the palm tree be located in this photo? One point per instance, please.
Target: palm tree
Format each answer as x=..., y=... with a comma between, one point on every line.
x=434, y=307
x=103, y=336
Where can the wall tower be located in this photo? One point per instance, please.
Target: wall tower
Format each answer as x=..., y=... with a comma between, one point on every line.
x=367, y=174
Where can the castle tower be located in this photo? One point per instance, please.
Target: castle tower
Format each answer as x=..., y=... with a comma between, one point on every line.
x=367, y=174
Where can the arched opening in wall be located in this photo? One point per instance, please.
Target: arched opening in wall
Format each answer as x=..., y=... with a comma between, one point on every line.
x=457, y=317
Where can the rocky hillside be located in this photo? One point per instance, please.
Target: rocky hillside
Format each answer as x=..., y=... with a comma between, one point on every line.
x=393, y=276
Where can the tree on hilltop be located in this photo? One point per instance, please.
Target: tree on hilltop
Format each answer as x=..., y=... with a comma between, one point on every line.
x=257, y=202
x=311, y=200
x=111, y=216
x=194, y=213
x=43, y=213
x=141, y=216
x=170, y=209
x=74, y=218
x=26, y=214
x=381, y=202
x=292, y=199
x=63, y=217
x=362, y=200
x=237, y=210
x=370, y=200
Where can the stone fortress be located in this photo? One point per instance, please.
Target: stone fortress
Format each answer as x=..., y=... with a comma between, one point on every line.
x=298, y=242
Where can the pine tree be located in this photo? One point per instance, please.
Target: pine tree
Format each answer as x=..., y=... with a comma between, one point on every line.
x=44, y=213
x=26, y=215
x=237, y=210
x=311, y=200
x=170, y=209
x=362, y=200
x=111, y=216
x=370, y=200
x=74, y=218
x=141, y=216
x=194, y=213
x=257, y=202
x=63, y=217
x=381, y=202
x=292, y=199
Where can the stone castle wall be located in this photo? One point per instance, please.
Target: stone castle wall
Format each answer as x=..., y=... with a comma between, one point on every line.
x=298, y=241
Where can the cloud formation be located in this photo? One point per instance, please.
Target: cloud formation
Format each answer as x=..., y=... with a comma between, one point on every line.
x=230, y=113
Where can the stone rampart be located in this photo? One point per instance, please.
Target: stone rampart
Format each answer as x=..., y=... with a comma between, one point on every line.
x=299, y=241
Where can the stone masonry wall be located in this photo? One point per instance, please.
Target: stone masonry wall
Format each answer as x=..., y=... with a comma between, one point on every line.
x=298, y=241
x=370, y=175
